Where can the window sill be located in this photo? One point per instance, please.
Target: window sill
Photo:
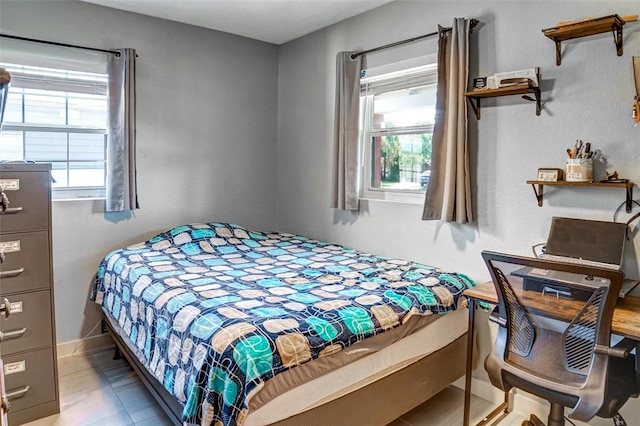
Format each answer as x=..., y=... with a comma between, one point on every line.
x=55, y=200
x=417, y=201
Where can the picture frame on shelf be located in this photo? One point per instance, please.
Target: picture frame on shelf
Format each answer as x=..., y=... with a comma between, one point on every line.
x=550, y=174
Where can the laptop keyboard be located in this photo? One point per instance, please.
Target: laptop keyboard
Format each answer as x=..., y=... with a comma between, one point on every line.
x=582, y=262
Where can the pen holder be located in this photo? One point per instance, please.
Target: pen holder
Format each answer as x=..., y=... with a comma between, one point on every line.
x=579, y=169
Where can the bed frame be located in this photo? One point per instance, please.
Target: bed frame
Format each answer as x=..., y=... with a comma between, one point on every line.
x=379, y=403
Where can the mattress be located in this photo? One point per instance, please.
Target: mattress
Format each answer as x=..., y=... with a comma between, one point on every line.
x=216, y=311
x=382, y=360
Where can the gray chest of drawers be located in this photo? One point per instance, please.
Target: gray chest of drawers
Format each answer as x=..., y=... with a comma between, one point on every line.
x=27, y=334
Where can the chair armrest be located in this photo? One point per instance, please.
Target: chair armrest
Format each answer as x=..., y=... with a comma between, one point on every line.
x=621, y=350
x=495, y=317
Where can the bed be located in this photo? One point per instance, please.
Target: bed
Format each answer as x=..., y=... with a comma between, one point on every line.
x=229, y=326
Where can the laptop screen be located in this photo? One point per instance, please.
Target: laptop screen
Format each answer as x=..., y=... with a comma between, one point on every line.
x=593, y=240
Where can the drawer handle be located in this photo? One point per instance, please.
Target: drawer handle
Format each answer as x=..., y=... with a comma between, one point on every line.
x=12, y=334
x=5, y=308
x=5, y=404
x=12, y=210
x=4, y=200
x=18, y=393
x=12, y=273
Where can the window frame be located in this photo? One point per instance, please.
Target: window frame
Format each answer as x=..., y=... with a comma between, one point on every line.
x=405, y=75
x=389, y=194
x=70, y=83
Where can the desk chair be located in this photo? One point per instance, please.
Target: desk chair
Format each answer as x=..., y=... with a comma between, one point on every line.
x=568, y=362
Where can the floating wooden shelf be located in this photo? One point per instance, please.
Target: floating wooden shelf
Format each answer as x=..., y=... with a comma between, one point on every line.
x=541, y=183
x=517, y=89
x=586, y=28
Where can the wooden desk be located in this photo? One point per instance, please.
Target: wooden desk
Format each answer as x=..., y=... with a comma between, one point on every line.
x=626, y=323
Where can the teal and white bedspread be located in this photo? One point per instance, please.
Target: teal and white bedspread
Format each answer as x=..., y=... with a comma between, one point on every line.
x=215, y=310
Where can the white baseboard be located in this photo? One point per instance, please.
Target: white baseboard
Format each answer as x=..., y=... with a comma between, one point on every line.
x=85, y=346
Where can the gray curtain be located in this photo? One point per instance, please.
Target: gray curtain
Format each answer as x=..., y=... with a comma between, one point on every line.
x=122, y=192
x=448, y=196
x=344, y=178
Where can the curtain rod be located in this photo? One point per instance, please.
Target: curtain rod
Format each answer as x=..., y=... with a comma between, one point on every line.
x=474, y=22
x=115, y=52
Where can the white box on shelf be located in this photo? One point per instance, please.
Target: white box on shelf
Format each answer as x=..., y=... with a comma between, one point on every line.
x=510, y=78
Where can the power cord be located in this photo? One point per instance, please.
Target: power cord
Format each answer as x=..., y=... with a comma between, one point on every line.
x=86, y=335
x=535, y=246
x=634, y=217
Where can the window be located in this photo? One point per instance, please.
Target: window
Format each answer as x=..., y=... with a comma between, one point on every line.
x=398, y=114
x=58, y=117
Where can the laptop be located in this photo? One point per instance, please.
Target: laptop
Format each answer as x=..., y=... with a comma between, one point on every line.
x=586, y=242
x=590, y=243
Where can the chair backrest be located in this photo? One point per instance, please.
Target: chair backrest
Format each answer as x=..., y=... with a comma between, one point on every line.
x=554, y=316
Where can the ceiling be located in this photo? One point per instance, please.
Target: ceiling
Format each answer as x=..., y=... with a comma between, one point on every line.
x=273, y=21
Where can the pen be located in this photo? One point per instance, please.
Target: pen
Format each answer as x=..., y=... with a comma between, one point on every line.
x=580, y=147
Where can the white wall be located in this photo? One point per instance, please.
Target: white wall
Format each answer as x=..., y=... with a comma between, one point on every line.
x=206, y=135
x=588, y=97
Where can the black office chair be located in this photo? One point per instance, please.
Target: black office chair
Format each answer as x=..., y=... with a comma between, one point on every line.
x=554, y=337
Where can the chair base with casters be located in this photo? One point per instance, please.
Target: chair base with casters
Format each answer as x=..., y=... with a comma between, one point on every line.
x=535, y=421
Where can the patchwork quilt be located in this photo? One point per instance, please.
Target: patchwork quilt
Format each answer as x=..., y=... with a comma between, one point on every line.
x=216, y=310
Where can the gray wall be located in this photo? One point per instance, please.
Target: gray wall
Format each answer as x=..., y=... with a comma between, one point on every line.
x=588, y=97
x=207, y=128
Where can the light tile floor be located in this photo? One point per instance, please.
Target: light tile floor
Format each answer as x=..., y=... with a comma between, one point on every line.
x=97, y=390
